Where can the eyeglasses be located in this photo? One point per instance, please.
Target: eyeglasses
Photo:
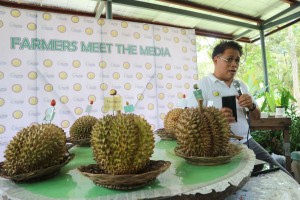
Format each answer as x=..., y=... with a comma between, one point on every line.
x=230, y=60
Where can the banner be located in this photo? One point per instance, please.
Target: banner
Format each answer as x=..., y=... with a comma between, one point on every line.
x=74, y=59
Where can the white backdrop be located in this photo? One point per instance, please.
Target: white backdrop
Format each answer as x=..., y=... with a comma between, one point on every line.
x=75, y=59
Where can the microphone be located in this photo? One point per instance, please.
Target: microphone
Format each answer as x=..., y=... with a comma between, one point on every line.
x=237, y=86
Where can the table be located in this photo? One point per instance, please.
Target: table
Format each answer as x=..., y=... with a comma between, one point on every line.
x=180, y=178
x=272, y=123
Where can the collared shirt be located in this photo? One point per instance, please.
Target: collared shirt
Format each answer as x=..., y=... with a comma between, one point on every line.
x=213, y=90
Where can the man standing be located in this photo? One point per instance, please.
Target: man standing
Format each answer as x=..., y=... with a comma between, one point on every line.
x=226, y=58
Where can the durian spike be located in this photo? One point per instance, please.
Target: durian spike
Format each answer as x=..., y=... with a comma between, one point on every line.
x=200, y=104
x=118, y=112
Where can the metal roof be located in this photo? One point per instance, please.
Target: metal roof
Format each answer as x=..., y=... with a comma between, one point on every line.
x=241, y=20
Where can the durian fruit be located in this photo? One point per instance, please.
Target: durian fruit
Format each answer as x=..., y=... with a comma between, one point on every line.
x=171, y=119
x=82, y=127
x=35, y=147
x=122, y=144
x=203, y=132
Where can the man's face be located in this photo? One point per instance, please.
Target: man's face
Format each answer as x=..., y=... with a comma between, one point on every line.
x=226, y=64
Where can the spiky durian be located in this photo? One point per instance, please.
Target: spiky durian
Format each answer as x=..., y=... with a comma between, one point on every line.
x=171, y=119
x=82, y=127
x=202, y=132
x=35, y=147
x=122, y=144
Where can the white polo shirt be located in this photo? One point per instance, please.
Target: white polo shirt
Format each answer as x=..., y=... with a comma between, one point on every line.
x=212, y=90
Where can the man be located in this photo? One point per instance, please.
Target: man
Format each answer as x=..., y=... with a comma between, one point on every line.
x=226, y=58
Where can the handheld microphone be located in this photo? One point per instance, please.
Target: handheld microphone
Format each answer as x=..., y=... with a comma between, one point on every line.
x=237, y=86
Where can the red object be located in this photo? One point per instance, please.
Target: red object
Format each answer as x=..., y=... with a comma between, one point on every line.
x=91, y=102
x=183, y=96
x=53, y=102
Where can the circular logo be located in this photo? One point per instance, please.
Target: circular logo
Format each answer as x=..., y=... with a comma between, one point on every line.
x=18, y=114
x=169, y=86
x=183, y=31
x=216, y=93
x=146, y=27
x=161, y=96
x=149, y=86
x=101, y=22
x=77, y=87
x=61, y=28
x=187, y=86
x=195, y=76
x=139, y=75
x=76, y=63
x=160, y=76
x=102, y=64
x=137, y=35
x=124, y=24
x=148, y=66
x=150, y=106
x=168, y=66
x=75, y=19
x=48, y=87
x=127, y=86
x=16, y=88
x=48, y=63
x=185, y=67
x=178, y=76
x=64, y=99
x=33, y=100
x=15, y=13
x=103, y=86
x=157, y=37
x=32, y=75
x=184, y=49
x=2, y=102
x=92, y=98
x=114, y=33
x=140, y=96
x=16, y=62
x=162, y=116
x=194, y=59
x=47, y=16
x=89, y=31
x=91, y=75
x=31, y=26
x=170, y=105
x=193, y=41
x=176, y=39
x=65, y=124
x=78, y=111
x=179, y=95
x=1, y=75
x=165, y=29
x=2, y=129
x=116, y=75
x=126, y=65
x=63, y=75
x=1, y=23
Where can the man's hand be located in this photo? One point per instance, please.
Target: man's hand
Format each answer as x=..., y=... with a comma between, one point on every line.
x=245, y=101
x=227, y=113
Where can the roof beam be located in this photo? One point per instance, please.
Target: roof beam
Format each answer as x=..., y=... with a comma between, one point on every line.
x=295, y=5
x=282, y=20
x=178, y=11
x=214, y=10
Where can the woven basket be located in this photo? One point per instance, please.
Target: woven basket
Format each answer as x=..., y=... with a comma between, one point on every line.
x=37, y=175
x=81, y=142
x=164, y=134
x=205, y=161
x=125, y=181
